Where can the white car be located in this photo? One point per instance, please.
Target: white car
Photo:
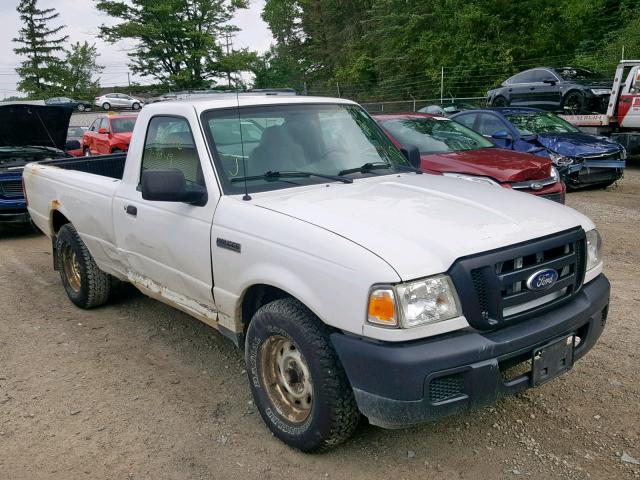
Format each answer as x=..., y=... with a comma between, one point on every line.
x=353, y=283
x=114, y=101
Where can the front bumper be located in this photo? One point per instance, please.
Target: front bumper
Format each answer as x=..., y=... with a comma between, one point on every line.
x=402, y=384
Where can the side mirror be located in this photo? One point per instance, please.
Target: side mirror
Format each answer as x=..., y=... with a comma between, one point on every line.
x=103, y=131
x=171, y=186
x=549, y=81
x=412, y=154
x=72, y=145
x=501, y=135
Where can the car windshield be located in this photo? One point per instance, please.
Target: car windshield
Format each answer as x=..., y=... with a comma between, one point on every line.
x=317, y=139
x=123, y=125
x=569, y=73
x=435, y=135
x=76, y=131
x=535, y=123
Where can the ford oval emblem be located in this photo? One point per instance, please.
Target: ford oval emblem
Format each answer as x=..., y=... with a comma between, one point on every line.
x=542, y=279
x=536, y=186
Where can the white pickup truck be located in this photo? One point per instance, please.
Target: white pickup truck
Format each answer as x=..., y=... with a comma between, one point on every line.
x=353, y=283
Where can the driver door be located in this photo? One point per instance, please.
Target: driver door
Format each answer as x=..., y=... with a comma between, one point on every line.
x=167, y=244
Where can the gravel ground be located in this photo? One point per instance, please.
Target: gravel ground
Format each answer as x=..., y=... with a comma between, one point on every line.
x=137, y=390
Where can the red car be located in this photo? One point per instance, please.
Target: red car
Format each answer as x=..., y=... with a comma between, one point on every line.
x=449, y=148
x=108, y=134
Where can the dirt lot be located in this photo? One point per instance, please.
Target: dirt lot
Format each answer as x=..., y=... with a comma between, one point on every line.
x=136, y=390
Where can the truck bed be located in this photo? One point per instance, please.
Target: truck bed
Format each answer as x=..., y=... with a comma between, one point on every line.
x=111, y=166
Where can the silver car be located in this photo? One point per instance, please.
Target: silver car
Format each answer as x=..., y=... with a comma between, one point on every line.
x=112, y=101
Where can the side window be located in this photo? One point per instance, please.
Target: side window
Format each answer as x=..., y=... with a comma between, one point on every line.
x=467, y=120
x=524, y=77
x=540, y=76
x=93, y=127
x=169, y=145
x=490, y=124
x=104, y=123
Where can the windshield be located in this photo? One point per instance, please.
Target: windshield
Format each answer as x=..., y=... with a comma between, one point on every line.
x=122, y=125
x=535, y=123
x=568, y=73
x=432, y=135
x=323, y=139
x=76, y=131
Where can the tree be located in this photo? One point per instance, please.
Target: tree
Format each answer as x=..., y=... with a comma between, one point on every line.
x=176, y=40
x=81, y=66
x=40, y=72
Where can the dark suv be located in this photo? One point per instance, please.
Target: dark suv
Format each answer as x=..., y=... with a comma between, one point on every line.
x=567, y=89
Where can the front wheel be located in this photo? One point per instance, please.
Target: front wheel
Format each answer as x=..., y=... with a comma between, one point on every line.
x=574, y=103
x=86, y=152
x=500, y=102
x=135, y=106
x=86, y=285
x=297, y=381
x=81, y=107
x=106, y=106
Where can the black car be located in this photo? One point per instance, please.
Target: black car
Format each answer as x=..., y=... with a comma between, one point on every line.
x=567, y=89
x=79, y=105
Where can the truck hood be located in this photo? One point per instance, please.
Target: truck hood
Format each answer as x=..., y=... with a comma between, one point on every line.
x=420, y=224
x=501, y=165
x=34, y=125
x=577, y=144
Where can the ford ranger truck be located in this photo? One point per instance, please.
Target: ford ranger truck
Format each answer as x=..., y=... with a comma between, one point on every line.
x=354, y=284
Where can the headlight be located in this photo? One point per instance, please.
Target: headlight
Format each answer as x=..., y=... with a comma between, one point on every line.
x=559, y=160
x=555, y=174
x=601, y=91
x=594, y=244
x=412, y=304
x=472, y=178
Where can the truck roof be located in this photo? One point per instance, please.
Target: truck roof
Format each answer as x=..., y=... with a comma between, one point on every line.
x=231, y=100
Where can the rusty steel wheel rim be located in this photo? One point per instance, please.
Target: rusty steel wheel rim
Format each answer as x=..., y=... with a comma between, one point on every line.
x=286, y=379
x=71, y=268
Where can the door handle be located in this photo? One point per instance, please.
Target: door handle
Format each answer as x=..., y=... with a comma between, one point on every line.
x=131, y=210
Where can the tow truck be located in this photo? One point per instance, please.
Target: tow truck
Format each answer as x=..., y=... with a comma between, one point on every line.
x=622, y=120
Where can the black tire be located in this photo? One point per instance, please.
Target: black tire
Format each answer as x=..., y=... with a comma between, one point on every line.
x=135, y=106
x=333, y=414
x=499, y=101
x=81, y=107
x=92, y=286
x=573, y=103
x=106, y=106
x=86, y=152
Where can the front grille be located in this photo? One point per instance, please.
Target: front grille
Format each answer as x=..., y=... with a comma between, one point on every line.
x=446, y=388
x=11, y=188
x=493, y=286
x=601, y=156
x=554, y=197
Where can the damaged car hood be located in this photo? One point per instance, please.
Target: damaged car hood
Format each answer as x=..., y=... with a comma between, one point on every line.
x=577, y=144
x=24, y=125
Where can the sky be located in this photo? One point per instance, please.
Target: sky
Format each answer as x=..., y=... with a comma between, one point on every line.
x=82, y=21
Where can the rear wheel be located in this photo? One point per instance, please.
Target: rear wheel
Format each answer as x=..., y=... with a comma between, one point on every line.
x=499, y=102
x=86, y=285
x=573, y=103
x=106, y=106
x=135, y=106
x=296, y=378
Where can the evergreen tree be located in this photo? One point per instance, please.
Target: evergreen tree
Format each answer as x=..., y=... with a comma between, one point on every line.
x=41, y=71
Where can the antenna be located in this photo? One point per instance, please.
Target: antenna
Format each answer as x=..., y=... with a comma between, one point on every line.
x=246, y=196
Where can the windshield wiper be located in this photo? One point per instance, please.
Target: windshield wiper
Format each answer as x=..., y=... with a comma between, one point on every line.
x=368, y=167
x=276, y=175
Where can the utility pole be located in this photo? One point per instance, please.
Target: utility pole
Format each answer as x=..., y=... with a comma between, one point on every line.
x=129, y=81
x=441, y=85
x=228, y=36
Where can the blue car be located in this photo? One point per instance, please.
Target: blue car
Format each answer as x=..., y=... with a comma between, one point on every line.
x=582, y=160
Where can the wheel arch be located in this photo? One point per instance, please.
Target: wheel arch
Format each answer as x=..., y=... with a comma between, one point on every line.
x=57, y=221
